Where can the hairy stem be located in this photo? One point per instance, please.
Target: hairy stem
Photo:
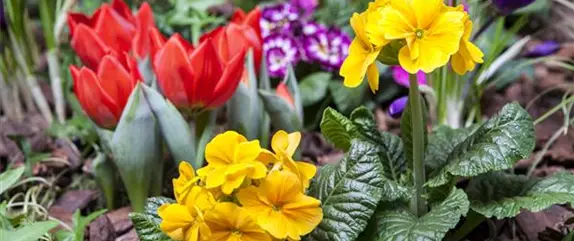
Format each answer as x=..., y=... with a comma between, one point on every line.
x=418, y=205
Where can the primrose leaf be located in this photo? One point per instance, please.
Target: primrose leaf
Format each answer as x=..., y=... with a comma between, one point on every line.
x=440, y=143
x=503, y=195
x=349, y=193
x=341, y=130
x=147, y=223
x=496, y=145
x=401, y=224
x=29, y=232
x=314, y=87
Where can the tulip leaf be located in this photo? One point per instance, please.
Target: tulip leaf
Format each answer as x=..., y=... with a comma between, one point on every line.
x=29, y=232
x=10, y=177
x=314, y=87
x=504, y=195
x=105, y=175
x=245, y=107
x=136, y=146
x=264, y=84
x=283, y=115
x=349, y=193
x=496, y=145
x=147, y=223
x=346, y=99
x=341, y=130
x=174, y=128
x=395, y=224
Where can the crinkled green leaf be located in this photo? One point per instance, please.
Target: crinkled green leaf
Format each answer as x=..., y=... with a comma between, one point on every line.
x=393, y=224
x=153, y=203
x=496, y=145
x=147, y=228
x=503, y=195
x=349, y=193
x=340, y=130
x=314, y=87
x=440, y=143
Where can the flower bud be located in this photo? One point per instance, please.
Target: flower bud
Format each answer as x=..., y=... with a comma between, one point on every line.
x=398, y=106
x=508, y=6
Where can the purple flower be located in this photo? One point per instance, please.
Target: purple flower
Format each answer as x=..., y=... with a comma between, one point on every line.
x=278, y=18
x=328, y=47
x=305, y=6
x=508, y=6
x=398, y=106
x=3, y=25
x=544, y=49
x=401, y=77
x=281, y=51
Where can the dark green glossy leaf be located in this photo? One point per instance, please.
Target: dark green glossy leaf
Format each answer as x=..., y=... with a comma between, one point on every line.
x=496, y=145
x=503, y=195
x=440, y=143
x=400, y=224
x=313, y=88
x=147, y=228
x=349, y=193
x=346, y=99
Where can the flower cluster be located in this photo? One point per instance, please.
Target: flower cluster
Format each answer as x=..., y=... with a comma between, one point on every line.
x=289, y=37
x=112, y=40
x=428, y=34
x=244, y=193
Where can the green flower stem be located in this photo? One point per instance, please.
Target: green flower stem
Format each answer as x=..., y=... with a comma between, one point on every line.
x=204, y=127
x=418, y=205
x=473, y=219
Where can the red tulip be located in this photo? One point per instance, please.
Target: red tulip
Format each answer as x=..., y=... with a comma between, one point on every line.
x=283, y=91
x=251, y=19
x=112, y=29
x=103, y=95
x=197, y=78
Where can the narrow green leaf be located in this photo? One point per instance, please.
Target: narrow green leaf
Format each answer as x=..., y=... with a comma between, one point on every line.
x=401, y=224
x=30, y=232
x=136, y=146
x=173, y=126
x=147, y=229
x=105, y=173
x=283, y=116
x=496, y=145
x=10, y=177
x=292, y=84
x=503, y=195
x=349, y=193
x=314, y=87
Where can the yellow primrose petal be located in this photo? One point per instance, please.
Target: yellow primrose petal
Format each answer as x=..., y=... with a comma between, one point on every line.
x=398, y=21
x=175, y=220
x=284, y=142
x=306, y=172
x=221, y=150
x=475, y=53
x=358, y=24
x=281, y=207
x=372, y=16
x=247, y=151
x=446, y=32
x=355, y=65
x=373, y=77
x=426, y=11
x=186, y=180
x=229, y=222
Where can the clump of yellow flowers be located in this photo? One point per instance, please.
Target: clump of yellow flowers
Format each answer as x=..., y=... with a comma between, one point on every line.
x=429, y=32
x=245, y=193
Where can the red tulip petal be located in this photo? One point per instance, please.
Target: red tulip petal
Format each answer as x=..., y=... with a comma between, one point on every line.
x=238, y=16
x=144, y=23
x=283, y=92
x=184, y=43
x=74, y=19
x=115, y=80
x=114, y=30
x=123, y=10
x=244, y=36
x=219, y=38
x=157, y=40
x=174, y=73
x=97, y=104
x=252, y=20
x=208, y=70
x=229, y=81
x=133, y=69
x=88, y=46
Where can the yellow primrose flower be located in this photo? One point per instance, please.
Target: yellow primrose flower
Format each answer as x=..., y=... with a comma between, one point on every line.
x=284, y=145
x=184, y=221
x=186, y=180
x=431, y=32
x=231, y=159
x=229, y=222
x=362, y=56
x=468, y=54
x=280, y=206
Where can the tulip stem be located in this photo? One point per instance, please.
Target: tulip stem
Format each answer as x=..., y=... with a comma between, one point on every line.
x=418, y=205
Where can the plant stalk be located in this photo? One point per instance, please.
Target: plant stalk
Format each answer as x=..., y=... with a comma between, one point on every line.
x=56, y=83
x=26, y=94
x=204, y=127
x=418, y=205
